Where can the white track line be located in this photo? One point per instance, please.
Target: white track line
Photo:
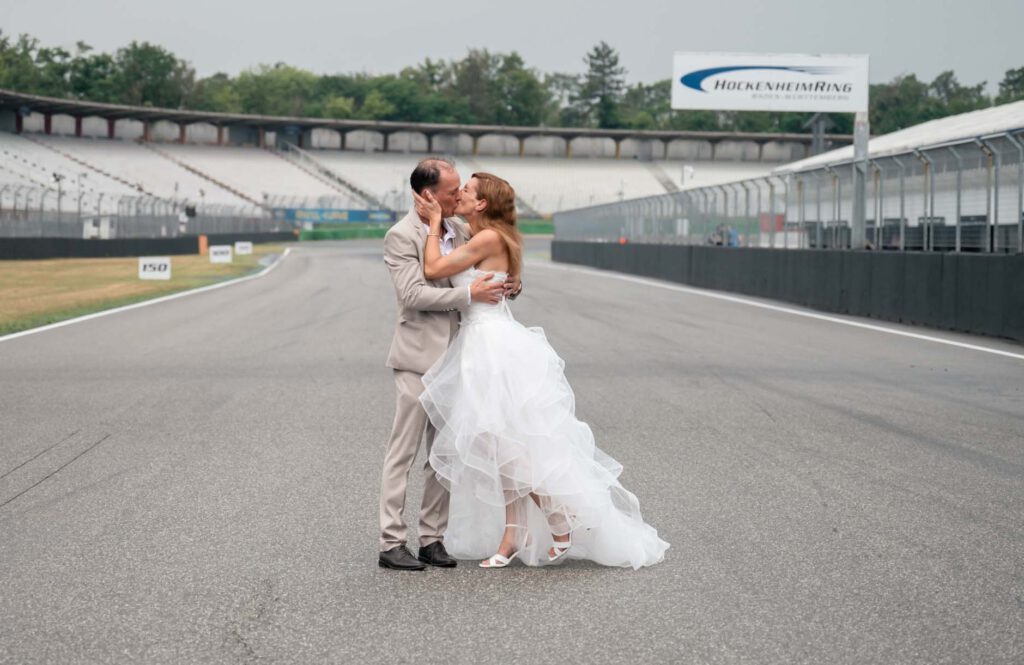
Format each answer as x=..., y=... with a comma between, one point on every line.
x=144, y=303
x=775, y=308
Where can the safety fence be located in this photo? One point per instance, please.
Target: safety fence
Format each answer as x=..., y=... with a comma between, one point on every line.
x=963, y=196
x=33, y=212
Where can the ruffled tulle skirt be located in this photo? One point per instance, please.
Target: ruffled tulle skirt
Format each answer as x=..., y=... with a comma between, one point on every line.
x=509, y=448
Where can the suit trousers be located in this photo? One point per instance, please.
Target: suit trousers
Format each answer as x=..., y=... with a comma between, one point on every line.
x=410, y=428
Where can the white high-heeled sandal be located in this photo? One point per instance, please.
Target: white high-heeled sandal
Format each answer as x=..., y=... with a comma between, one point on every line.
x=560, y=547
x=499, y=560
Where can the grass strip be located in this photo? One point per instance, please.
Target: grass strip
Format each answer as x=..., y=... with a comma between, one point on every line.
x=359, y=231
x=37, y=293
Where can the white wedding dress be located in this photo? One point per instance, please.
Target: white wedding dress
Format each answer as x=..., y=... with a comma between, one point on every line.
x=506, y=428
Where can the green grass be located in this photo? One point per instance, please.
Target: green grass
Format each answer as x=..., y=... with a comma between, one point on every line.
x=357, y=230
x=536, y=226
x=39, y=292
x=344, y=233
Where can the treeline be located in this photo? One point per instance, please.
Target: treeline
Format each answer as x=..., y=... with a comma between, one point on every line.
x=481, y=88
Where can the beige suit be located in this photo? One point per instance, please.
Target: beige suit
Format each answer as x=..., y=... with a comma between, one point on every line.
x=428, y=317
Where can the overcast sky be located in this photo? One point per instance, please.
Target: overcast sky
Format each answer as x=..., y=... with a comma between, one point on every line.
x=978, y=39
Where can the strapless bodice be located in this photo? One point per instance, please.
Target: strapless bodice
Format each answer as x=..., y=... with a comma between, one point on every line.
x=481, y=311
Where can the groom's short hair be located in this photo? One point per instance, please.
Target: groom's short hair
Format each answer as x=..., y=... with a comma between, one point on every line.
x=428, y=173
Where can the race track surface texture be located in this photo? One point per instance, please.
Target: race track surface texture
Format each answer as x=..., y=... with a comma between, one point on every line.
x=197, y=481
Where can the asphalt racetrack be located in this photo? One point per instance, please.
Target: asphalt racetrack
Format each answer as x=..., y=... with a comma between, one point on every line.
x=197, y=481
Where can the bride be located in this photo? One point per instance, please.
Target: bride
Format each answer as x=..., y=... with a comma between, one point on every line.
x=525, y=475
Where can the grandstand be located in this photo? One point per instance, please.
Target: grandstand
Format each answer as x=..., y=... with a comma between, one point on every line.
x=101, y=159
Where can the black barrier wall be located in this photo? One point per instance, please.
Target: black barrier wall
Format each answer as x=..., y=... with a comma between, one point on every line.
x=972, y=293
x=59, y=248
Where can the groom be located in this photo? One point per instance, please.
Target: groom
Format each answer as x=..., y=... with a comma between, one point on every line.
x=428, y=316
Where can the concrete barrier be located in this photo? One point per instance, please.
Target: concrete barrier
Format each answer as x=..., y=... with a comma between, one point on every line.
x=973, y=293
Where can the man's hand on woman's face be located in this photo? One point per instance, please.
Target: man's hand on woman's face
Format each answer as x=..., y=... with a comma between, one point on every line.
x=427, y=206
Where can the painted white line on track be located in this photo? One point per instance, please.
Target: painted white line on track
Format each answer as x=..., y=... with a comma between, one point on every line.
x=144, y=303
x=775, y=308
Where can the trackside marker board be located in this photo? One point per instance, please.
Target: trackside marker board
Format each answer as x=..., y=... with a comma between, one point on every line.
x=243, y=248
x=770, y=82
x=154, y=267
x=221, y=254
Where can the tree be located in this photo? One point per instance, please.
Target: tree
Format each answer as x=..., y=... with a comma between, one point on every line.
x=601, y=90
x=150, y=75
x=562, y=89
x=376, y=107
x=521, y=98
x=18, y=69
x=278, y=90
x=93, y=76
x=901, y=103
x=1011, y=88
x=54, y=68
x=954, y=98
x=216, y=93
x=474, y=81
x=339, y=108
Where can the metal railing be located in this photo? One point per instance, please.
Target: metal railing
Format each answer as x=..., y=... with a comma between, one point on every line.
x=962, y=196
x=28, y=211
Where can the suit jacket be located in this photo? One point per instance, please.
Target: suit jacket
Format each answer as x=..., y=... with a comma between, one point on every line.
x=428, y=311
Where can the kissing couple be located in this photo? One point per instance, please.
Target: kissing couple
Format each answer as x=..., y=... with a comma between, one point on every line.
x=511, y=472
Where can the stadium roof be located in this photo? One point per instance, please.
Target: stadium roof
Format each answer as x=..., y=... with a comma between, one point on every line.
x=932, y=134
x=10, y=99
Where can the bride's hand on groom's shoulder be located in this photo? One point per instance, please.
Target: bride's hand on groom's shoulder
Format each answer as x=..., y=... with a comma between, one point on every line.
x=427, y=206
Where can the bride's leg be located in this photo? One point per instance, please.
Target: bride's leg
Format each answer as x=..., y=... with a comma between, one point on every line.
x=512, y=540
x=557, y=520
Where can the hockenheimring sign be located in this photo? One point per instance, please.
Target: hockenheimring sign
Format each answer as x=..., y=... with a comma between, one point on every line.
x=745, y=82
x=782, y=82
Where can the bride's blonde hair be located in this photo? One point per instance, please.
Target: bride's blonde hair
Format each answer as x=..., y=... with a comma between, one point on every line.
x=500, y=215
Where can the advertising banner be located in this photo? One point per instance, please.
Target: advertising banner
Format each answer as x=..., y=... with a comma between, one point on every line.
x=770, y=82
x=333, y=215
x=220, y=254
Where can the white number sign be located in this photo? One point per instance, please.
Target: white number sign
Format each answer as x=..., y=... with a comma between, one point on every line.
x=154, y=267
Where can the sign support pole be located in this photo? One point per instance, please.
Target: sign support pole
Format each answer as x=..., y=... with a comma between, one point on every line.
x=858, y=235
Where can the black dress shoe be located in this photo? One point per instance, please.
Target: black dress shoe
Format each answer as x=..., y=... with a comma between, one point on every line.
x=399, y=558
x=435, y=555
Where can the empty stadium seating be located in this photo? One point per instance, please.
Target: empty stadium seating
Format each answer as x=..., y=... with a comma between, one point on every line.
x=247, y=176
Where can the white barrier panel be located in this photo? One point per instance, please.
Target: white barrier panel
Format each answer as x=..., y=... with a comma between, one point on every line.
x=154, y=267
x=243, y=248
x=770, y=82
x=221, y=254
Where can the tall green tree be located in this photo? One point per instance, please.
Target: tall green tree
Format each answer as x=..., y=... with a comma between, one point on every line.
x=93, y=76
x=473, y=81
x=900, y=103
x=953, y=98
x=1011, y=88
x=18, y=68
x=150, y=75
x=602, y=87
x=522, y=98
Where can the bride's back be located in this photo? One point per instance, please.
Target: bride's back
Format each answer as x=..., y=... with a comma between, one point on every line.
x=499, y=216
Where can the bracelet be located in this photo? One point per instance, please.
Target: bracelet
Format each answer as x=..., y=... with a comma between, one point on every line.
x=436, y=235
